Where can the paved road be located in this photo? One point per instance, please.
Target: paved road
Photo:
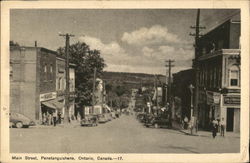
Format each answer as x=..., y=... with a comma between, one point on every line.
x=122, y=135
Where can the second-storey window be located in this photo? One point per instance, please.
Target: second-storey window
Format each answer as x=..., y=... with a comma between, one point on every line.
x=234, y=76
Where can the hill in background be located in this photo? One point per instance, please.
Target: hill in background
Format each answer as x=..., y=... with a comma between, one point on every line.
x=131, y=80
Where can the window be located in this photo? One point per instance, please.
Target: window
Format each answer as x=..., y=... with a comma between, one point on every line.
x=51, y=68
x=45, y=68
x=51, y=72
x=234, y=76
x=59, y=83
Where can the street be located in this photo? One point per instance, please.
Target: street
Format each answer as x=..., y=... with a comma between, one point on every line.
x=122, y=135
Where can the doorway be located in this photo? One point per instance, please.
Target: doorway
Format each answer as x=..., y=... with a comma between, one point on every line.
x=230, y=119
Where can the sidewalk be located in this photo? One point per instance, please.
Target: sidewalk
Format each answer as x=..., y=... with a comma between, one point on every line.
x=72, y=124
x=202, y=133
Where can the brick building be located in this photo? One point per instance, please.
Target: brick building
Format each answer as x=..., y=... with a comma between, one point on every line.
x=38, y=82
x=32, y=80
x=219, y=75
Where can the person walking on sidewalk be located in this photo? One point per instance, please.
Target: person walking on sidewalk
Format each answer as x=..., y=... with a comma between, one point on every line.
x=54, y=118
x=222, y=127
x=214, y=127
x=185, y=122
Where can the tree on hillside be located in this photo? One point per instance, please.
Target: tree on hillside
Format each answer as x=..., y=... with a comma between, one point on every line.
x=86, y=60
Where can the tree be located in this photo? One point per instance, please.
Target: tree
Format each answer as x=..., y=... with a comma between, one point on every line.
x=85, y=60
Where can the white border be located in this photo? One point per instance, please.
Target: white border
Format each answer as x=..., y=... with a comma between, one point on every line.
x=243, y=5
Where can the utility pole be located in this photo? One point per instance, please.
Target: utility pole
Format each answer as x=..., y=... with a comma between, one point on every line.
x=66, y=112
x=157, y=101
x=195, y=65
x=93, y=92
x=169, y=65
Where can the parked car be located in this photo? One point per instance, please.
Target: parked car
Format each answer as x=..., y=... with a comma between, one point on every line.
x=102, y=118
x=108, y=116
x=113, y=115
x=158, y=122
x=89, y=120
x=20, y=121
x=140, y=116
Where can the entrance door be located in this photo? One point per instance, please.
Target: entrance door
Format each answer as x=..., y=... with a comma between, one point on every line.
x=230, y=119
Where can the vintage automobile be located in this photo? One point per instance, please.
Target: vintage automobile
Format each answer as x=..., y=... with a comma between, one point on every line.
x=102, y=118
x=157, y=122
x=89, y=120
x=20, y=121
x=113, y=115
x=140, y=116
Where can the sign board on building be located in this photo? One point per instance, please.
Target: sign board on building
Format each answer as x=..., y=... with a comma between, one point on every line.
x=232, y=100
x=47, y=96
x=213, y=97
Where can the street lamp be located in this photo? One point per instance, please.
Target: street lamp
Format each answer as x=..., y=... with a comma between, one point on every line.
x=191, y=87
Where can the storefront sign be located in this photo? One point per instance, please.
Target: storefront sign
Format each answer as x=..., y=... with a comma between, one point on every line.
x=213, y=97
x=232, y=100
x=47, y=96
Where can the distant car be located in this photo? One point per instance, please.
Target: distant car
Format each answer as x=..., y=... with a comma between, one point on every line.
x=20, y=121
x=158, y=122
x=108, y=116
x=102, y=118
x=89, y=120
x=113, y=115
x=140, y=116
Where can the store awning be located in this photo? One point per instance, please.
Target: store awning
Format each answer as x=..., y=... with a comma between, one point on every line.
x=58, y=105
x=49, y=104
x=54, y=104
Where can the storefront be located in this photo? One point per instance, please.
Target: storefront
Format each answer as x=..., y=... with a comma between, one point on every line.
x=49, y=104
x=231, y=112
x=208, y=108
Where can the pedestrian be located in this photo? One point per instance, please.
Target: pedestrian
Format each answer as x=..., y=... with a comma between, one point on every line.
x=48, y=118
x=222, y=127
x=54, y=117
x=44, y=119
x=185, y=122
x=59, y=117
x=214, y=127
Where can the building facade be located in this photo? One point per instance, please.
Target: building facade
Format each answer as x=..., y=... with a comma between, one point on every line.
x=32, y=80
x=181, y=83
x=38, y=82
x=219, y=76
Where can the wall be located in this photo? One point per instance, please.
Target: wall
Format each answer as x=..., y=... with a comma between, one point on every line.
x=234, y=35
x=47, y=79
x=23, y=82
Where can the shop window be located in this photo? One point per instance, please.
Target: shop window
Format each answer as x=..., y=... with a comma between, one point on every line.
x=234, y=76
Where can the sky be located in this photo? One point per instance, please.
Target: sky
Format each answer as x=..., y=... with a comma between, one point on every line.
x=130, y=40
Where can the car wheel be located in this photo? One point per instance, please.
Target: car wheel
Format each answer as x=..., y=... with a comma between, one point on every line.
x=19, y=125
x=156, y=125
x=11, y=124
